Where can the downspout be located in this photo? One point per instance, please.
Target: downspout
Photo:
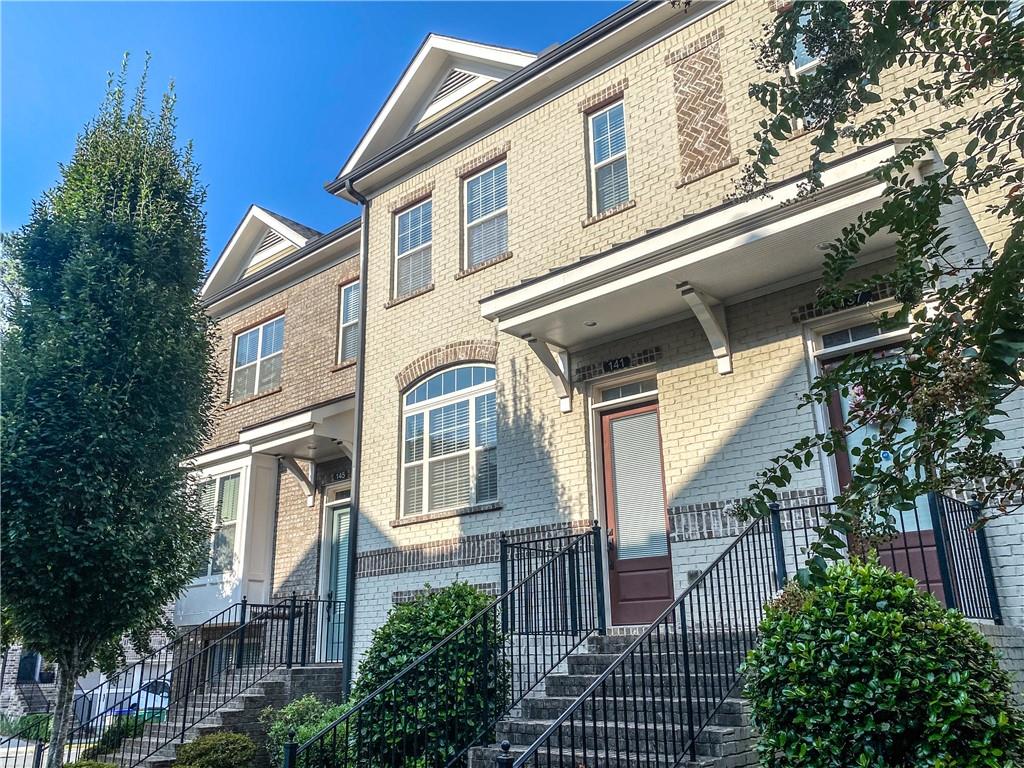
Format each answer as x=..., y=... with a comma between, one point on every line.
x=353, y=515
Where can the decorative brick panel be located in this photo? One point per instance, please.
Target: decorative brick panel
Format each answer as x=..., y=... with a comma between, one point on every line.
x=716, y=519
x=458, y=552
x=701, y=116
x=472, y=351
x=813, y=310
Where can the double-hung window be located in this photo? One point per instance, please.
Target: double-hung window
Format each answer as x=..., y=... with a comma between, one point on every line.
x=450, y=430
x=257, y=360
x=803, y=63
x=486, y=215
x=348, y=323
x=609, y=173
x=220, y=502
x=413, y=234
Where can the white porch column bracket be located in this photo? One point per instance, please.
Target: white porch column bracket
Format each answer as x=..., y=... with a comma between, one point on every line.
x=305, y=481
x=556, y=362
x=710, y=313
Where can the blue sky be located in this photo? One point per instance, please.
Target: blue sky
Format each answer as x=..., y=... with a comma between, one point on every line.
x=274, y=95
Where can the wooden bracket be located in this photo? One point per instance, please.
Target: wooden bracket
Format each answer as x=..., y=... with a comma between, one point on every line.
x=305, y=481
x=710, y=313
x=556, y=362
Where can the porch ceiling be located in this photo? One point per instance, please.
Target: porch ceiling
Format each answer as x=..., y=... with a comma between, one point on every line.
x=728, y=255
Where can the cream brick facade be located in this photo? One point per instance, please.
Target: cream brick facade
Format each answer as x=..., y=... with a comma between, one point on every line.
x=717, y=431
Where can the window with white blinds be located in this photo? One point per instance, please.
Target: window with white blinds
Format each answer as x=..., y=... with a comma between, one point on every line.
x=257, y=361
x=609, y=168
x=450, y=441
x=348, y=323
x=413, y=235
x=638, y=487
x=487, y=215
x=220, y=500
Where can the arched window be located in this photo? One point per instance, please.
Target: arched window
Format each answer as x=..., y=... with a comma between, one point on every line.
x=449, y=430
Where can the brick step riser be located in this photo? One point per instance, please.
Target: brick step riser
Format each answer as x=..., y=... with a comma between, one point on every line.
x=617, y=644
x=484, y=757
x=594, y=664
x=574, y=685
x=632, y=738
x=630, y=710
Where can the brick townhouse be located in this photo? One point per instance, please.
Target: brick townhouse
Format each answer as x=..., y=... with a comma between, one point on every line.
x=568, y=318
x=276, y=473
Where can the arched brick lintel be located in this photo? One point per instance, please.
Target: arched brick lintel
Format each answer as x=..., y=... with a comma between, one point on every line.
x=471, y=351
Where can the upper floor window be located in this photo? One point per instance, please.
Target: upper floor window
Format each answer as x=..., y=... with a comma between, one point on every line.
x=609, y=172
x=220, y=501
x=257, y=360
x=413, y=234
x=348, y=323
x=450, y=431
x=487, y=215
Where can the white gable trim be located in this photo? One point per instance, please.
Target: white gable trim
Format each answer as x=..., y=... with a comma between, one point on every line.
x=241, y=247
x=434, y=59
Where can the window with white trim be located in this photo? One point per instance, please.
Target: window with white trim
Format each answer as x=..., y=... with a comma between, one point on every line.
x=609, y=172
x=257, y=360
x=487, y=215
x=348, y=323
x=449, y=445
x=803, y=63
x=220, y=499
x=413, y=235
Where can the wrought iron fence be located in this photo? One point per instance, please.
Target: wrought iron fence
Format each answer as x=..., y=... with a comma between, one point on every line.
x=159, y=699
x=450, y=698
x=656, y=699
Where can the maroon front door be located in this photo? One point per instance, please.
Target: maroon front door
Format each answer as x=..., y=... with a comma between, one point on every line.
x=913, y=550
x=639, y=563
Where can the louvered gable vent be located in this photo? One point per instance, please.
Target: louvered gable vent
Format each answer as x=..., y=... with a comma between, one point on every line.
x=455, y=80
x=269, y=241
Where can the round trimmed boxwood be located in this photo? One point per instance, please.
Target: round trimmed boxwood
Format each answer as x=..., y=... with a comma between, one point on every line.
x=443, y=705
x=865, y=670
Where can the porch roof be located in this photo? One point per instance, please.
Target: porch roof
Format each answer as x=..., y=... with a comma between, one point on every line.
x=727, y=254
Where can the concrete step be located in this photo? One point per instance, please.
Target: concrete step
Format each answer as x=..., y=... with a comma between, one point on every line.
x=724, y=641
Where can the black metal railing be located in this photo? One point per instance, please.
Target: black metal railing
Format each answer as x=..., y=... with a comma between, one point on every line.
x=651, y=706
x=939, y=544
x=450, y=698
x=156, y=701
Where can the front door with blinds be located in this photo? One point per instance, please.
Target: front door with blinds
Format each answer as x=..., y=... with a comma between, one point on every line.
x=639, y=563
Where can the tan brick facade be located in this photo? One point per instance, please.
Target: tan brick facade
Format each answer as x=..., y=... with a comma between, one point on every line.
x=309, y=374
x=688, y=119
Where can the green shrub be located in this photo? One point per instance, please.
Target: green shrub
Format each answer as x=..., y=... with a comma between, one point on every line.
x=35, y=726
x=442, y=706
x=90, y=764
x=868, y=671
x=217, y=750
x=123, y=727
x=306, y=717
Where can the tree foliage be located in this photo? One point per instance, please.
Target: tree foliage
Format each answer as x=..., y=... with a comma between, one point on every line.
x=879, y=64
x=106, y=382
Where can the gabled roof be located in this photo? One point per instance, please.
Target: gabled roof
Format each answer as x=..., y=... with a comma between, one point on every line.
x=262, y=235
x=444, y=73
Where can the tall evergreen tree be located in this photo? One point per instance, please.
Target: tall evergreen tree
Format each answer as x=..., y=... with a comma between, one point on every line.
x=107, y=385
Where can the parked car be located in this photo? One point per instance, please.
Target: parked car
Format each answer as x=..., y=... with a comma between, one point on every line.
x=153, y=696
